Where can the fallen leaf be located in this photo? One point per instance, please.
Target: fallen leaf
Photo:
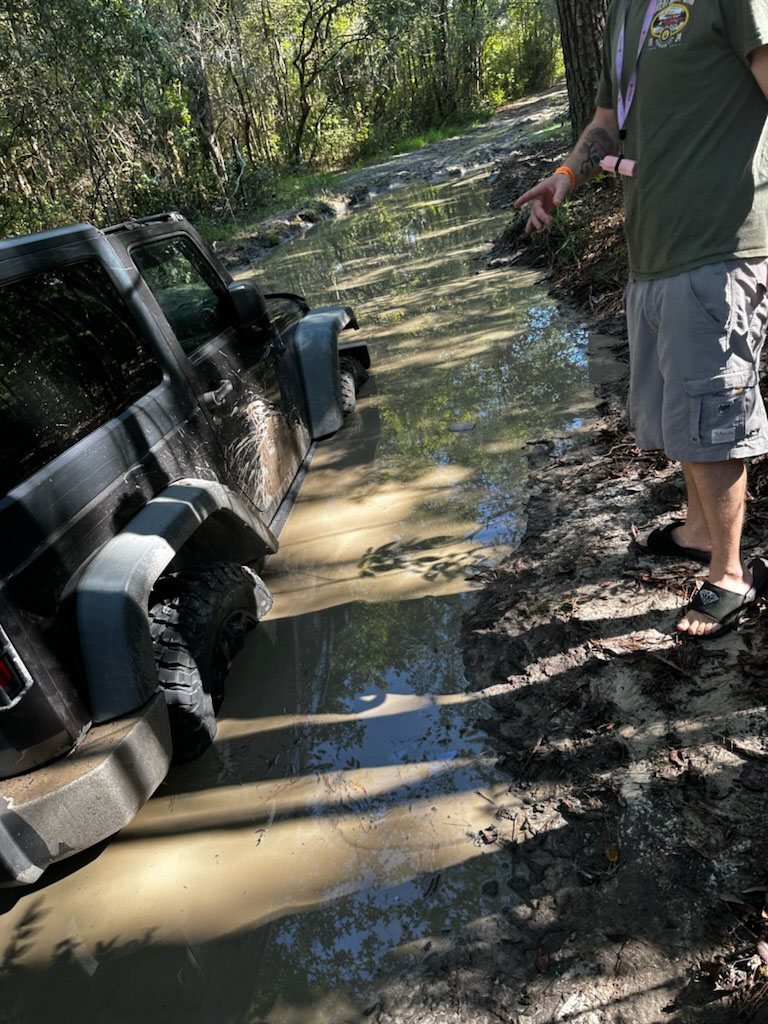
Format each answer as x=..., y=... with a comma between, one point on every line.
x=697, y=845
x=489, y=835
x=611, y=852
x=762, y=949
x=618, y=795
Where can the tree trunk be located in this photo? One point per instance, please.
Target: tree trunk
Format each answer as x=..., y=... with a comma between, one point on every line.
x=581, y=32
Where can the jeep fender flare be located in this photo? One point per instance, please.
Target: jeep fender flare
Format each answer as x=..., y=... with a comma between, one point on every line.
x=113, y=592
x=316, y=344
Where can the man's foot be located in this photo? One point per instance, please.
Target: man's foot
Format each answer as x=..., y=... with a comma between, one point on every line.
x=718, y=606
x=675, y=540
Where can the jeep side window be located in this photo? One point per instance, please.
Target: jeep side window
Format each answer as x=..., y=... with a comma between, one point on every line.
x=187, y=290
x=71, y=359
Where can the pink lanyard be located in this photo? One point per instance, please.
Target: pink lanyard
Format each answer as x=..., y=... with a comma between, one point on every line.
x=625, y=103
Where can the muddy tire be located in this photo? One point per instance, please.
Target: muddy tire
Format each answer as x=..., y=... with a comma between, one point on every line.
x=353, y=376
x=198, y=622
x=348, y=393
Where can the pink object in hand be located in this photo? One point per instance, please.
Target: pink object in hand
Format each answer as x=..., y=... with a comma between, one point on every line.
x=619, y=165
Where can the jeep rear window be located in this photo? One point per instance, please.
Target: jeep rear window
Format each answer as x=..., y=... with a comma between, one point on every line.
x=70, y=360
x=186, y=289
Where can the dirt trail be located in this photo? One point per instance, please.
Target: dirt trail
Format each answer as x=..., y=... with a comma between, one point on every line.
x=634, y=825
x=455, y=157
x=640, y=762
x=632, y=833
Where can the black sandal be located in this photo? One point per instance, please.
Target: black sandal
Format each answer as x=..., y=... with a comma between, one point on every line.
x=661, y=543
x=726, y=607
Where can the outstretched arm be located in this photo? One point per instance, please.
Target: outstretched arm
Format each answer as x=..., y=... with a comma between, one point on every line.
x=600, y=138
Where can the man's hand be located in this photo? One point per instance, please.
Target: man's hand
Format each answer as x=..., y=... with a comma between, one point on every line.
x=599, y=139
x=544, y=197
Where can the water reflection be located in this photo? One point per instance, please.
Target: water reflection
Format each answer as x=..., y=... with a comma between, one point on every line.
x=335, y=827
x=452, y=345
x=399, y=748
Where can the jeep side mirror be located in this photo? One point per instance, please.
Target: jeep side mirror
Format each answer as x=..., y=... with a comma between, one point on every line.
x=249, y=304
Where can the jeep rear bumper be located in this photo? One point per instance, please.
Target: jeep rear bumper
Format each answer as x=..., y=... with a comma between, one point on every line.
x=77, y=801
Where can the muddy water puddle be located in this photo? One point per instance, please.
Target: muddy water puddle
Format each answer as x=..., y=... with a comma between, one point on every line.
x=342, y=826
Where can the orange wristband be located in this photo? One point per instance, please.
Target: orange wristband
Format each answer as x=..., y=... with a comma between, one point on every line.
x=569, y=173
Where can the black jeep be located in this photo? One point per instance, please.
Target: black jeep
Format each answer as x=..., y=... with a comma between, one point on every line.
x=158, y=419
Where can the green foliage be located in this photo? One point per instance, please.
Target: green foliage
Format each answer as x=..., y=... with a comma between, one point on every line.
x=523, y=54
x=123, y=107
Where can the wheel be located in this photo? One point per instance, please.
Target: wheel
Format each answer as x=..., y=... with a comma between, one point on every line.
x=348, y=394
x=353, y=376
x=198, y=621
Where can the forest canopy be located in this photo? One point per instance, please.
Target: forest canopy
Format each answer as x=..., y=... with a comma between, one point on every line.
x=118, y=108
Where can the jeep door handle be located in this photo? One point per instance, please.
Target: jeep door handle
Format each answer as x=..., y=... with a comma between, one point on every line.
x=215, y=399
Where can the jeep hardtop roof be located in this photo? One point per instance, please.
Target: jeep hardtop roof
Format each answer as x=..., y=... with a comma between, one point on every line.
x=11, y=248
x=24, y=245
x=135, y=222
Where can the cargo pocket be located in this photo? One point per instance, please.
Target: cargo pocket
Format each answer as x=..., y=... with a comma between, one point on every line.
x=719, y=407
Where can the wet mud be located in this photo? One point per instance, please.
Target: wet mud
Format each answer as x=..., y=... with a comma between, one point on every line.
x=638, y=766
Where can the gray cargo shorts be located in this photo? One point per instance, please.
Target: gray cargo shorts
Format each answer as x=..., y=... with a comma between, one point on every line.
x=694, y=342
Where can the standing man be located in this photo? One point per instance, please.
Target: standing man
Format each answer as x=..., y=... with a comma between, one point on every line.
x=682, y=99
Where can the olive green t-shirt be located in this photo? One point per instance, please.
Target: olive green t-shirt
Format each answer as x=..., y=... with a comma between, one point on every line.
x=697, y=128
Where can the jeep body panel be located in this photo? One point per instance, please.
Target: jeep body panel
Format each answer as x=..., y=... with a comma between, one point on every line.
x=73, y=504
x=316, y=344
x=113, y=592
x=258, y=425
x=113, y=772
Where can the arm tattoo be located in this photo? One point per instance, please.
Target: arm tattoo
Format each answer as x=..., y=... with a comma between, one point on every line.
x=596, y=145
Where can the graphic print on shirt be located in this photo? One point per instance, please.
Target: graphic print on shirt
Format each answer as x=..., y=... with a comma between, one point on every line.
x=669, y=24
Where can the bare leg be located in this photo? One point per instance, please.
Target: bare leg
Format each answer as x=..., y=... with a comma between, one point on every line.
x=695, y=532
x=721, y=490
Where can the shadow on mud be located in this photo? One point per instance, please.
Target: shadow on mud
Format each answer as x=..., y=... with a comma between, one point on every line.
x=542, y=870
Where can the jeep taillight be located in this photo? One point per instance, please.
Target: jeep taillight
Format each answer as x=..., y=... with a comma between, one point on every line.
x=10, y=684
x=14, y=677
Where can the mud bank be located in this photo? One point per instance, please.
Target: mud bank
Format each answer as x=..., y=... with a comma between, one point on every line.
x=584, y=252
